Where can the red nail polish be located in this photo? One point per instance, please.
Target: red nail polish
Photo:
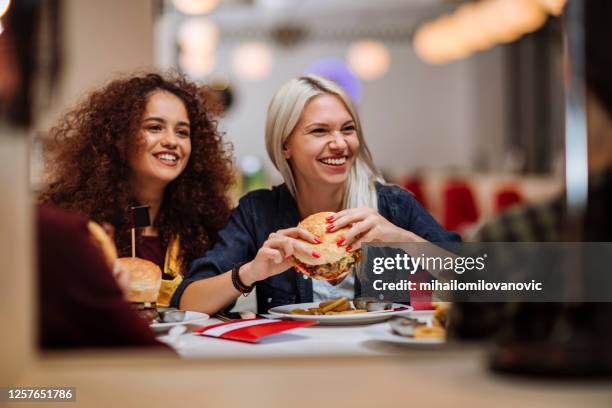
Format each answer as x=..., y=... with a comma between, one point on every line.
x=340, y=241
x=318, y=240
x=315, y=254
x=330, y=227
x=330, y=218
x=348, y=248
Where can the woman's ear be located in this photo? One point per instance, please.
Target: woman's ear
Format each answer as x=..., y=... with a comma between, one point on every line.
x=286, y=152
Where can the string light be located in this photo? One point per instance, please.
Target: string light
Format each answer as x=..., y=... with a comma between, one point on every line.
x=253, y=60
x=197, y=38
x=554, y=7
x=465, y=23
x=436, y=44
x=197, y=65
x=521, y=16
x=481, y=25
x=369, y=59
x=195, y=7
x=198, y=35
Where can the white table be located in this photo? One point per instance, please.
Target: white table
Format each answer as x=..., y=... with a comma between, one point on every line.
x=306, y=341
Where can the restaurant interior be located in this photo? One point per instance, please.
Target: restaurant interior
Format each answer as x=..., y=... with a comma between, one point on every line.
x=476, y=107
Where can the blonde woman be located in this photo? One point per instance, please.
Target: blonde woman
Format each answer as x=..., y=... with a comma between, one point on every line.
x=314, y=138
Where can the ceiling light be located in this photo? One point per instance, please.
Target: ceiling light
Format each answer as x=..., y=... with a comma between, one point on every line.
x=195, y=7
x=253, y=60
x=369, y=59
x=197, y=65
x=198, y=35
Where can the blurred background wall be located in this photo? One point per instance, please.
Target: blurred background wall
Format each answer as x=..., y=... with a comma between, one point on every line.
x=99, y=39
x=414, y=115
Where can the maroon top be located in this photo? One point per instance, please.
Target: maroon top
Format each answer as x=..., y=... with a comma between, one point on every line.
x=150, y=248
x=80, y=304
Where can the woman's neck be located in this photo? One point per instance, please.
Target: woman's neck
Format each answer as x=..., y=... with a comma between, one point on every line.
x=152, y=196
x=311, y=200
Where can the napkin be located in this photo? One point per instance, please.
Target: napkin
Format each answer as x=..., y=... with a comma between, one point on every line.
x=250, y=330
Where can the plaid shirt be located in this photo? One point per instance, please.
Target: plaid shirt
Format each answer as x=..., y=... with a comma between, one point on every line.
x=545, y=222
x=536, y=223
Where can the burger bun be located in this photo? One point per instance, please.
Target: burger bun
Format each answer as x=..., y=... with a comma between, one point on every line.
x=329, y=249
x=144, y=279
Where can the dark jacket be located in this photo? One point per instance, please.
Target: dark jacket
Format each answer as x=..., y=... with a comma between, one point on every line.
x=262, y=212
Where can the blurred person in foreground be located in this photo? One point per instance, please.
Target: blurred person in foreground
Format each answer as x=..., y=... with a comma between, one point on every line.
x=544, y=223
x=315, y=139
x=80, y=303
x=531, y=330
x=150, y=140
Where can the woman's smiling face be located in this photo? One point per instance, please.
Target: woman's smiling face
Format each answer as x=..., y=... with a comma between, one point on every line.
x=324, y=143
x=163, y=144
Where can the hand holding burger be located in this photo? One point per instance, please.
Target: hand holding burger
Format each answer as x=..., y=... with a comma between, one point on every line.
x=335, y=261
x=275, y=255
x=366, y=225
x=310, y=247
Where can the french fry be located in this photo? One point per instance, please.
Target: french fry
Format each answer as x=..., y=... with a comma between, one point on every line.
x=346, y=306
x=339, y=308
x=424, y=332
x=331, y=306
x=327, y=302
x=440, y=317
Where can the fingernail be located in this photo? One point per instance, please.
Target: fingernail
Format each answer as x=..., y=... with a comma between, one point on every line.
x=330, y=227
x=348, y=248
x=340, y=241
x=288, y=257
x=317, y=240
x=315, y=254
x=330, y=218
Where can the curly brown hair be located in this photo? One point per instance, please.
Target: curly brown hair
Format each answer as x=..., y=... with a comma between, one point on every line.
x=87, y=168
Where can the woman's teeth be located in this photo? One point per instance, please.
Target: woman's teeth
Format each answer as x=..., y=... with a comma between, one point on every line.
x=334, y=161
x=168, y=157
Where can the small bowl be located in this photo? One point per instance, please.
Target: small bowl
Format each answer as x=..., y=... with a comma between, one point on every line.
x=379, y=306
x=171, y=316
x=404, y=326
x=362, y=302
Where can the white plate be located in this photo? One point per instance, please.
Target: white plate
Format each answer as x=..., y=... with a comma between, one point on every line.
x=383, y=332
x=190, y=317
x=357, y=318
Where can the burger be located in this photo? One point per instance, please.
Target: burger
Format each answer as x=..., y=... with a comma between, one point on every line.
x=144, y=281
x=335, y=261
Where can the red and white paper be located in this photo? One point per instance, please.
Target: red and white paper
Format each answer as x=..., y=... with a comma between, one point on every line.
x=251, y=330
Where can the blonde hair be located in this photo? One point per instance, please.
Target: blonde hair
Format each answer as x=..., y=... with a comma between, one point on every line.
x=284, y=113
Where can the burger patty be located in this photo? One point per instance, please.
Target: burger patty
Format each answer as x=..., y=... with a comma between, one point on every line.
x=334, y=269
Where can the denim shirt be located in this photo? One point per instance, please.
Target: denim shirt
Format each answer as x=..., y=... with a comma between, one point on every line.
x=261, y=212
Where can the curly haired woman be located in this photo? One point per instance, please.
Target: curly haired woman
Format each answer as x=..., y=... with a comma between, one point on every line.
x=145, y=140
